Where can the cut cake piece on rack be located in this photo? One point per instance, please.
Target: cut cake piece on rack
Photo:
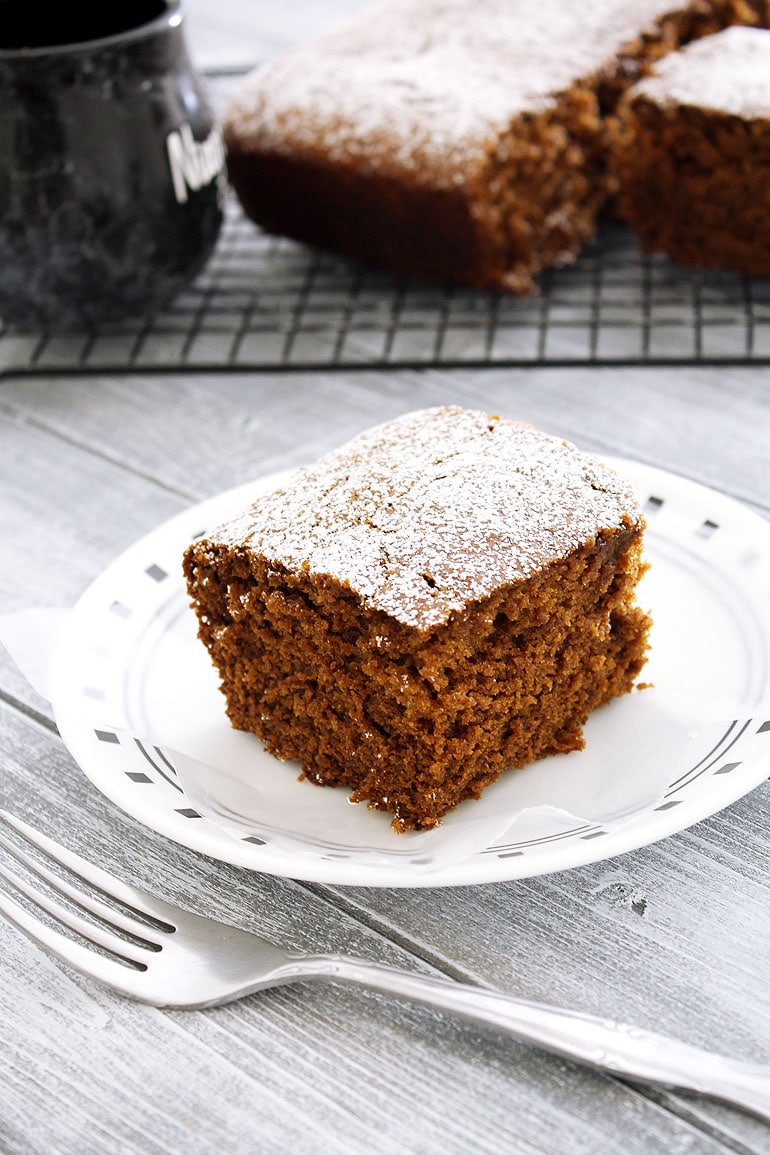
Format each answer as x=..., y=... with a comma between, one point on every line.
x=452, y=141
x=692, y=154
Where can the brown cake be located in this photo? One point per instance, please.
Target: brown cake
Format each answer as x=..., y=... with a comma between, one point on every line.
x=692, y=154
x=447, y=596
x=455, y=141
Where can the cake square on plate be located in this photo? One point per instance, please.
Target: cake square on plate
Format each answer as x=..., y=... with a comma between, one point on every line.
x=447, y=596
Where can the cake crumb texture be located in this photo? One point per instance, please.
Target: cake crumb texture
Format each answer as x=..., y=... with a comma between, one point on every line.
x=447, y=596
x=691, y=154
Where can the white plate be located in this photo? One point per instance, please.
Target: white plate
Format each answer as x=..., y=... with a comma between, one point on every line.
x=127, y=661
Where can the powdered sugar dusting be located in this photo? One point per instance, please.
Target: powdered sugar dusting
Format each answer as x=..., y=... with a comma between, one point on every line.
x=435, y=509
x=727, y=72
x=422, y=85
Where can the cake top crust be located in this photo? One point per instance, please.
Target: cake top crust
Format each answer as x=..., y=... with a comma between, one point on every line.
x=421, y=86
x=728, y=72
x=433, y=510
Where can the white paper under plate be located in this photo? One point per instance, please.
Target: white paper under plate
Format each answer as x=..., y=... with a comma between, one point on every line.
x=127, y=663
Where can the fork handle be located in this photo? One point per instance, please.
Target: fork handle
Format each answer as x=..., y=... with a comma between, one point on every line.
x=602, y=1043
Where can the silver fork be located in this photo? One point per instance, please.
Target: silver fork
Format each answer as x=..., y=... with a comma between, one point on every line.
x=168, y=957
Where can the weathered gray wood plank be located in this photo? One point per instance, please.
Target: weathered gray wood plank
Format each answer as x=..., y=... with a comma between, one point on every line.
x=64, y=513
x=235, y=35
x=86, y=466
x=709, y=424
x=305, y=1069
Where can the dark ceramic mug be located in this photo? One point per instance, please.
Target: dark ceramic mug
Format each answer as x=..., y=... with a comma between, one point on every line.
x=111, y=168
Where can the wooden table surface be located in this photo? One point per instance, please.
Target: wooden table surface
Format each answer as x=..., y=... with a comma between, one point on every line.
x=675, y=936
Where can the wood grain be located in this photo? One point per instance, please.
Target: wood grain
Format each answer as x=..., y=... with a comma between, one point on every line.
x=311, y=1068
x=674, y=936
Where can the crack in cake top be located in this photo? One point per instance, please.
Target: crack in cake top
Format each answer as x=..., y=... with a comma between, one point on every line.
x=433, y=510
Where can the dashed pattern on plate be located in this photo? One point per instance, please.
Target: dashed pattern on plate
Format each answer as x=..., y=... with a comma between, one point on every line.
x=137, y=602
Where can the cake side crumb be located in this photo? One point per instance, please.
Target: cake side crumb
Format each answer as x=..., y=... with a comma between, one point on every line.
x=374, y=672
x=691, y=154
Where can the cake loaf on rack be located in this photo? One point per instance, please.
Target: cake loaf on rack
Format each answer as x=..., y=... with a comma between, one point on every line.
x=447, y=596
x=692, y=154
x=452, y=141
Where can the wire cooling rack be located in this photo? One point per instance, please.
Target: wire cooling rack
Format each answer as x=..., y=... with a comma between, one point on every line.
x=268, y=303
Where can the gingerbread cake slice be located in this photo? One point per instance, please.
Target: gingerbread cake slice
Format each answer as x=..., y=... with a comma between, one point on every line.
x=692, y=154
x=444, y=598
x=454, y=141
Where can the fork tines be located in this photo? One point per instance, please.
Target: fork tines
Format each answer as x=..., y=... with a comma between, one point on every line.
x=126, y=934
